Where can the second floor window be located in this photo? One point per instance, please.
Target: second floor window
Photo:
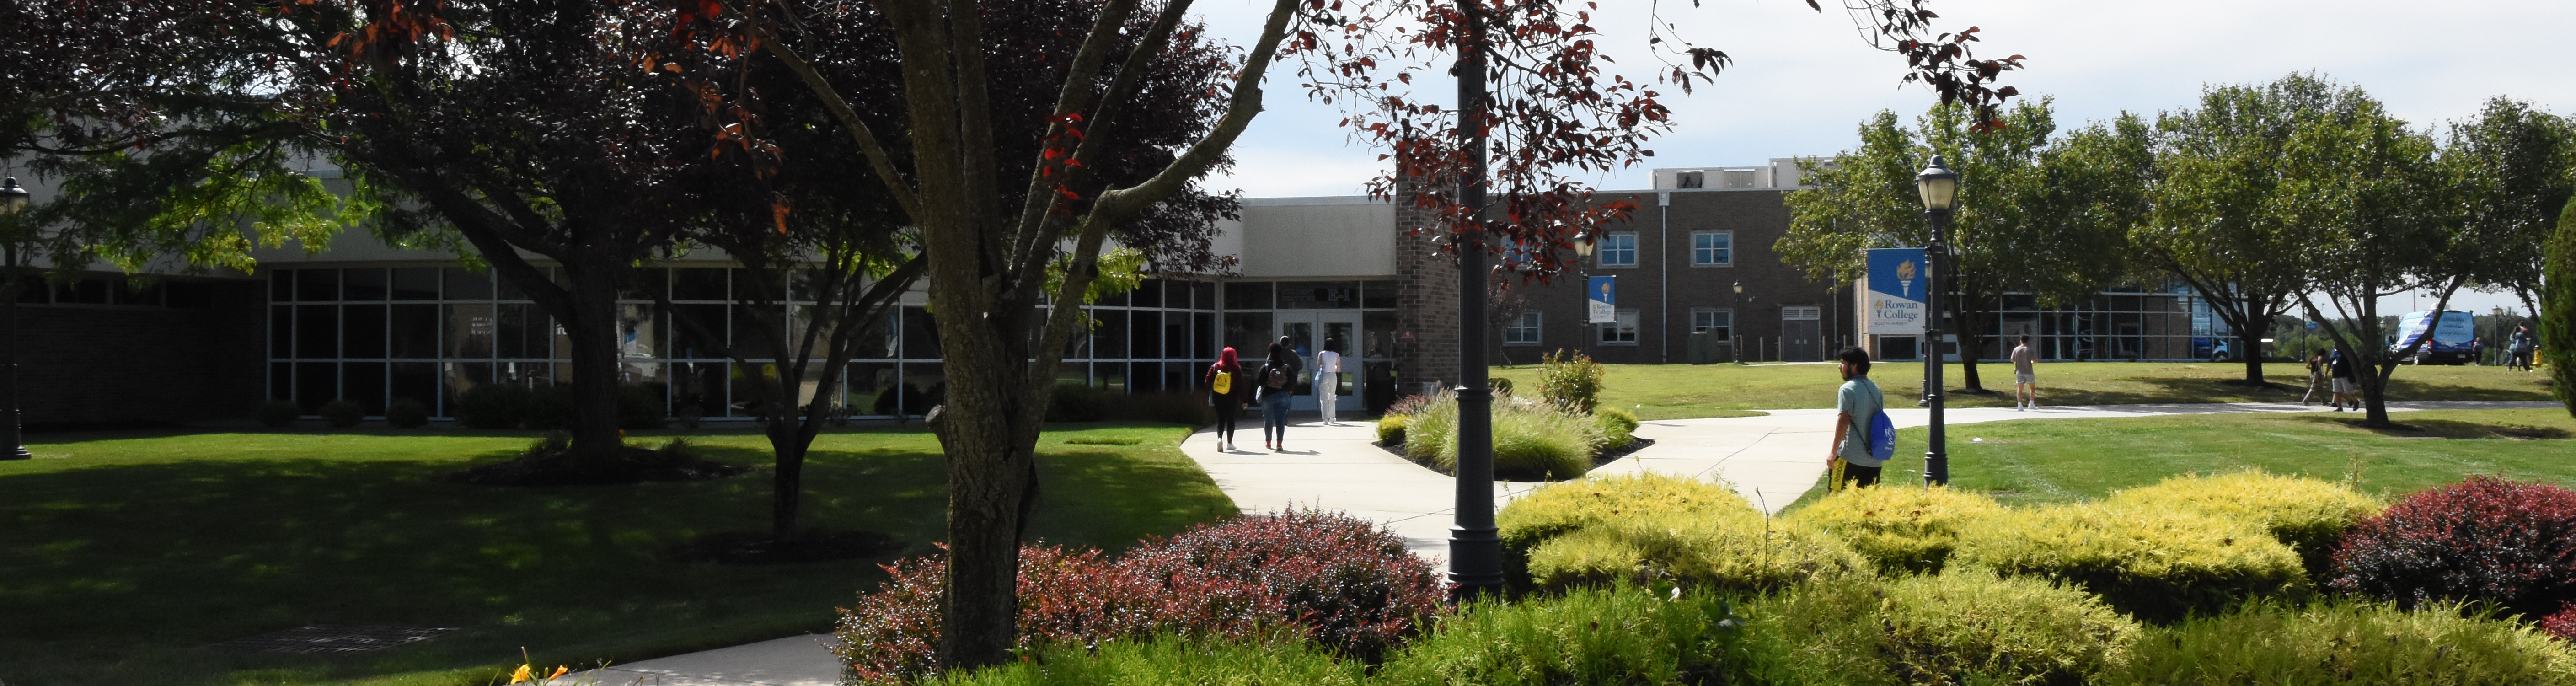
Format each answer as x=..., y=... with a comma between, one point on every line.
x=1522, y=331
x=1619, y=250
x=1712, y=248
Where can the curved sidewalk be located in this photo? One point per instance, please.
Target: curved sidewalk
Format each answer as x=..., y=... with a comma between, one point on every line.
x=1772, y=460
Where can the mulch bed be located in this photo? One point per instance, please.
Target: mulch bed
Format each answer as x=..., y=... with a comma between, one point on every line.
x=1606, y=456
x=564, y=468
x=761, y=549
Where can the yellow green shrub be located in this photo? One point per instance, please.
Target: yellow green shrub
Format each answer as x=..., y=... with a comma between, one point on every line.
x=2157, y=563
x=1738, y=550
x=1960, y=627
x=2309, y=515
x=1390, y=429
x=1901, y=528
x=2327, y=644
x=1560, y=508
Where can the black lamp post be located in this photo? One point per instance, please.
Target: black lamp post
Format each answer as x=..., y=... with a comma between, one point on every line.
x=13, y=199
x=1475, y=550
x=1730, y=320
x=2496, y=342
x=1940, y=190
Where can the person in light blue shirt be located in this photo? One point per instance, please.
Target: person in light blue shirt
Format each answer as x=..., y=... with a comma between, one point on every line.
x=1854, y=405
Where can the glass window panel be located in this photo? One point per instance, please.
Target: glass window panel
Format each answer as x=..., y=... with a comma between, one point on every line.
x=1145, y=334
x=127, y=292
x=693, y=334
x=362, y=284
x=364, y=382
x=1203, y=295
x=321, y=285
x=1203, y=336
x=281, y=381
x=86, y=292
x=506, y=289
x=1619, y=250
x=752, y=336
x=1377, y=334
x=317, y=332
x=316, y=383
x=1110, y=376
x=515, y=336
x=1176, y=336
x=1109, y=334
x=281, y=285
x=417, y=382
x=468, y=330
x=639, y=332
x=33, y=290
x=1150, y=294
x=414, y=332
x=869, y=386
x=466, y=285
x=1113, y=300
x=1321, y=295
x=415, y=283
x=1377, y=295
x=698, y=283
x=281, y=331
x=1247, y=295
x=748, y=286
x=925, y=385
x=458, y=377
x=698, y=388
x=876, y=341
x=362, y=332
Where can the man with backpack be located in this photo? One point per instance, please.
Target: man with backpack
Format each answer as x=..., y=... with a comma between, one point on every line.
x=1859, y=408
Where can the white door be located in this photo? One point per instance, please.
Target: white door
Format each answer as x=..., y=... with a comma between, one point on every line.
x=1312, y=331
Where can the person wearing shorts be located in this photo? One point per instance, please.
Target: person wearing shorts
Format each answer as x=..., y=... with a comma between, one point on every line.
x=2347, y=391
x=2025, y=381
x=2316, y=376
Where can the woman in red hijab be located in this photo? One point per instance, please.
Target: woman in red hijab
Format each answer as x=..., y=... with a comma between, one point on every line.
x=1227, y=397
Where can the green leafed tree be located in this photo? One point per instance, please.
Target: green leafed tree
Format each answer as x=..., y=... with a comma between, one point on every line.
x=2038, y=213
x=2558, y=308
x=2516, y=168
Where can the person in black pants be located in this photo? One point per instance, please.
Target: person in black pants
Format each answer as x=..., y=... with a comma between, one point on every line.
x=1229, y=403
x=1278, y=383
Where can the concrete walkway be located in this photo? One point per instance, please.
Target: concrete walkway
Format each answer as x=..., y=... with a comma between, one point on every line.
x=1771, y=459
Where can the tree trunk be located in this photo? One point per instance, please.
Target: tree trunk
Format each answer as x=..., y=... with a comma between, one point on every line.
x=2374, y=395
x=787, y=484
x=592, y=330
x=990, y=440
x=2250, y=349
x=1971, y=332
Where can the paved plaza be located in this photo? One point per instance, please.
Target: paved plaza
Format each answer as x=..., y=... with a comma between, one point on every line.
x=1772, y=460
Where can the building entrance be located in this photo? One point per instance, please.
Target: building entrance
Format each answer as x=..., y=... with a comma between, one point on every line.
x=1802, y=336
x=1314, y=331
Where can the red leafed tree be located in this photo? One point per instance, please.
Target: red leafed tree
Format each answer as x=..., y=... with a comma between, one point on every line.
x=1555, y=111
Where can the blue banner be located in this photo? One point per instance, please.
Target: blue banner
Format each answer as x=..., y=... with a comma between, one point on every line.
x=1603, y=296
x=1898, y=279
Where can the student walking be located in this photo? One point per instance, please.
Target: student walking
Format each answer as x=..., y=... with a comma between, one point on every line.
x=1328, y=379
x=2522, y=347
x=1226, y=389
x=1278, y=383
x=2025, y=381
x=2347, y=391
x=1856, y=403
x=2316, y=376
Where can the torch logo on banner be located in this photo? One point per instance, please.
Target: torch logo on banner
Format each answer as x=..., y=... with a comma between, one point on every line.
x=1905, y=277
x=1603, y=300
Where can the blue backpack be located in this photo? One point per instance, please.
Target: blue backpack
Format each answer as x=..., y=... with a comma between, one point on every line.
x=1882, y=436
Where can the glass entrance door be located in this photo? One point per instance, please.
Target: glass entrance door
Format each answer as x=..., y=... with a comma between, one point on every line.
x=1314, y=331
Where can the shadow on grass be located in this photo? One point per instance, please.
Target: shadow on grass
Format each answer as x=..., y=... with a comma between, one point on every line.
x=121, y=573
x=2446, y=428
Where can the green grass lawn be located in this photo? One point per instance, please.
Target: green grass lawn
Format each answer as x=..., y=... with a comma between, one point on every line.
x=121, y=555
x=2055, y=460
x=1680, y=391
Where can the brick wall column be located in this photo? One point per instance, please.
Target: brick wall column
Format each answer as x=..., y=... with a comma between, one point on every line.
x=1426, y=315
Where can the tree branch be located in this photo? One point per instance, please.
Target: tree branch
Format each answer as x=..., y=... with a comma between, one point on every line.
x=860, y=133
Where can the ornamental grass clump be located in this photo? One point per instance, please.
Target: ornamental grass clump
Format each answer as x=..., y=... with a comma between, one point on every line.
x=1621, y=634
x=2483, y=539
x=2159, y=564
x=1531, y=440
x=1959, y=627
x=1901, y=528
x=2309, y=515
x=2344, y=642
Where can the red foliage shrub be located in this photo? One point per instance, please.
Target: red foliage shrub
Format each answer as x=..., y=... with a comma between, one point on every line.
x=2561, y=625
x=1345, y=583
x=2485, y=538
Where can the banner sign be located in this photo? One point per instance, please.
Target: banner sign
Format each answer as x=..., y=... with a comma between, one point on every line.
x=1603, y=298
x=1897, y=285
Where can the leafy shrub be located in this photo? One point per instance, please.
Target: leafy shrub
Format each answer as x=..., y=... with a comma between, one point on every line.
x=278, y=413
x=916, y=400
x=2561, y=625
x=1736, y=551
x=1501, y=386
x=1073, y=402
x=2156, y=563
x=1531, y=440
x=2345, y=643
x=1618, y=427
x=407, y=413
x=1570, y=382
x=1597, y=531
x=491, y=406
x=343, y=413
x=1169, y=661
x=2481, y=539
x=1340, y=582
x=2309, y=515
x=1390, y=428
x=1959, y=627
x=1901, y=528
x=1617, y=635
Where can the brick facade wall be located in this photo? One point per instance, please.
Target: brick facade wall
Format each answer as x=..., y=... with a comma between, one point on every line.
x=101, y=364
x=1426, y=319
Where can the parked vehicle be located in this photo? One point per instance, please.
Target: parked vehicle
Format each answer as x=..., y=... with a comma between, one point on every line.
x=2454, y=341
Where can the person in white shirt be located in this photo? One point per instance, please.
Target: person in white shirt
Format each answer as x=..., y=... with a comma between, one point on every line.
x=1328, y=379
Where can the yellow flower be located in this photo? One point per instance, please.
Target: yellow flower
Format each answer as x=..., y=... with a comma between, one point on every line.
x=521, y=676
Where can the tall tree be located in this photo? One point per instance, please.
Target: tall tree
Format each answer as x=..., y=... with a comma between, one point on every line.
x=2037, y=213
x=2517, y=167
x=2557, y=313
x=989, y=260
x=2383, y=219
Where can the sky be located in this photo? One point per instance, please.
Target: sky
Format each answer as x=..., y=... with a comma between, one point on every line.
x=1803, y=81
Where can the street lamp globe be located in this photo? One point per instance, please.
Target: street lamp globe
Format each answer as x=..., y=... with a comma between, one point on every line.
x=1938, y=185
x=1739, y=288
x=12, y=197
x=1583, y=247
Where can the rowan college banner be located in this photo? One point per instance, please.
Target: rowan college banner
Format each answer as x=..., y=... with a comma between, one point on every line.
x=1896, y=289
x=1603, y=298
